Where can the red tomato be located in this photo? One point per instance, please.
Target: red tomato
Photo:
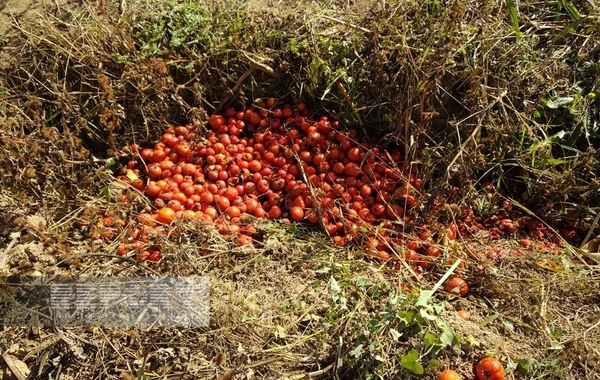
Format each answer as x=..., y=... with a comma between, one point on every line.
x=207, y=197
x=231, y=193
x=489, y=369
x=314, y=139
x=296, y=213
x=146, y=219
x=234, y=212
x=165, y=215
x=152, y=189
x=464, y=314
x=275, y=212
x=354, y=154
x=216, y=121
x=175, y=205
x=154, y=171
x=244, y=240
x=395, y=211
x=222, y=203
x=211, y=212
x=352, y=169
x=378, y=209
x=457, y=286
x=339, y=241
x=448, y=374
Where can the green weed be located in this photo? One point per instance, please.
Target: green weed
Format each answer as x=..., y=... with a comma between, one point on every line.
x=386, y=324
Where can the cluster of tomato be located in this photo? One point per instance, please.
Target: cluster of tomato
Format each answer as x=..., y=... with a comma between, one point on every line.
x=273, y=162
x=284, y=163
x=500, y=224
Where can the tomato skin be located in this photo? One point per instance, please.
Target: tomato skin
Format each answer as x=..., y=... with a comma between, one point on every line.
x=464, y=315
x=314, y=139
x=339, y=241
x=457, y=286
x=216, y=121
x=154, y=171
x=165, y=215
x=296, y=213
x=152, y=189
x=222, y=203
x=275, y=212
x=378, y=209
x=244, y=240
x=234, y=212
x=448, y=374
x=354, y=154
x=489, y=369
x=525, y=243
x=122, y=250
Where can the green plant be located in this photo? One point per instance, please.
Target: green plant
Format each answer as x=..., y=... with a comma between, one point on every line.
x=386, y=324
x=186, y=27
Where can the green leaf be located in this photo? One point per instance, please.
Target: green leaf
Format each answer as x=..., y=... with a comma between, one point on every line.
x=335, y=287
x=406, y=317
x=362, y=283
x=559, y=102
x=373, y=345
x=395, y=334
x=106, y=194
x=357, y=352
x=424, y=297
x=410, y=362
x=555, y=161
x=509, y=325
x=373, y=325
x=428, y=313
x=433, y=364
x=472, y=341
x=429, y=340
x=448, y=338
x=110, y=164
x=558, y=136
x=514, y=19
x=527, y=365
x=439, y=308
x=279, y=332
x=571, y=10
x=132, y=176
x=567, y=30
x=488, y=320
x=336, y=293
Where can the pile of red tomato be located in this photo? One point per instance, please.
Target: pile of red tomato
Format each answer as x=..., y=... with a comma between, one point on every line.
x=284, y=163
x=273, y=162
